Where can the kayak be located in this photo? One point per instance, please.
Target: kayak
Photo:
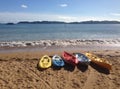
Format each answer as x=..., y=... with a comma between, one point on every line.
x=69, y=58
x=45, y=62
x=57, y=61
x=100, y=61
x=82, y=58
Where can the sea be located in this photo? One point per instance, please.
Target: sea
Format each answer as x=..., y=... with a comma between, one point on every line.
x=36, y=32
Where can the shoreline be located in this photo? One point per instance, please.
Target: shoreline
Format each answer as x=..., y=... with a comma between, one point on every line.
x=32, y=52
x=66, y=42
x=59, y=45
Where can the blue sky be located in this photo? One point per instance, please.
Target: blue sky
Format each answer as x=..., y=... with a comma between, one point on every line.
x=59, y=10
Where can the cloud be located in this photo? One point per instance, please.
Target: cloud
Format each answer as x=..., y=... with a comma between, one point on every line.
x=67, y=18
x=20, y=16
x=24, y=6
x=115, y=14
x=64, y=5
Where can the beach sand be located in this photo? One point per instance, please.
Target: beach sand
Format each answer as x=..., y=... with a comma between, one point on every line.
x=19, y=70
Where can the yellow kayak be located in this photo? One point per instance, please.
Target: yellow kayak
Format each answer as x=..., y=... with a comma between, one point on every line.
x=102, y=62
x=45, y=62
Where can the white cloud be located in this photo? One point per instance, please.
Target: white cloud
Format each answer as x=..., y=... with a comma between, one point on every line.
x=67, y=18
x=115, y=14
x=16, y=17
x=20, y=16
x=63, y=5
x=24, y=6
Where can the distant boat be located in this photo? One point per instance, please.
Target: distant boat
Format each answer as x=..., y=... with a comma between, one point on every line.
x=69, y=58
x=45, y=62
x=99, y=61
x=57, y=61
x=82, y=58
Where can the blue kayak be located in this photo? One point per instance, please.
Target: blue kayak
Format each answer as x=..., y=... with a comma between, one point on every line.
x=57, y=61
x=82, y=58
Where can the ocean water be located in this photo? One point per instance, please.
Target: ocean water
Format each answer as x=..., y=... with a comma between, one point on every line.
x=34, y=32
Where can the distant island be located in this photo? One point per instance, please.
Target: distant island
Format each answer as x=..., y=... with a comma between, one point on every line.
x=41, y=22
x=58, y=22
x=9, y=23
x=96, y=22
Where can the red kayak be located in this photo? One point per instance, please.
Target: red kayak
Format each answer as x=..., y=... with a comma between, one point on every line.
x=69, y=58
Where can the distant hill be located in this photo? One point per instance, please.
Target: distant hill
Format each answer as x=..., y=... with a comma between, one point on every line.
x=83, y=22
x=10, y=24
x=58, y=22
x=96, y=22
x=41, y=22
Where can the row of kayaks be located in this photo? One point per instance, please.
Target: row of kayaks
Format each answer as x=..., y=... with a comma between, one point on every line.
x=72, y=59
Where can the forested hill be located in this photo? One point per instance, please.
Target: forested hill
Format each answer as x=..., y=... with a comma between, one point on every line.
x=58, y=22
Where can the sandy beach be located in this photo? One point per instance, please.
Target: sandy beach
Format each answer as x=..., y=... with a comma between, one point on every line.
x=19, y=70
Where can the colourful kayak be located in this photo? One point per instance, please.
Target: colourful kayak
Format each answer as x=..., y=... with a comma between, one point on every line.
x=82, y=58
x=45, y=62
x=101, y=62
x=69, y=58
x=57, y=61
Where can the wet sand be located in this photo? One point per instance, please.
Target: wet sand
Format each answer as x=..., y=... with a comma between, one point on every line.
x=19, y=70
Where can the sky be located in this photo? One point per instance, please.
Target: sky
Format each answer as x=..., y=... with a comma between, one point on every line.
x=59, y=10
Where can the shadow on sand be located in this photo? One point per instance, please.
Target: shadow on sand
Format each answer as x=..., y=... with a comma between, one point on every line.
x=40, y=69
x=56, y=67
x=69, y=67
x=99, y=69
x=82, y=67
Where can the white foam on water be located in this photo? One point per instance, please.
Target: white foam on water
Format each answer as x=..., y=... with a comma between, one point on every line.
x=67, y=42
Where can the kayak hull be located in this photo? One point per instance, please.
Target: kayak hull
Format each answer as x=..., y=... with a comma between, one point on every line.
x=45, y=62
x=99, y=61
x=82, y=58
x=69, y=58
x=57, y=61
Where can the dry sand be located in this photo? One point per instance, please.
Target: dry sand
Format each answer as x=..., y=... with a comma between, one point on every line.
x=18, y=70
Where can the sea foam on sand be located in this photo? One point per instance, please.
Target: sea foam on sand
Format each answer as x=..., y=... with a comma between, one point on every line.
x=66, y=42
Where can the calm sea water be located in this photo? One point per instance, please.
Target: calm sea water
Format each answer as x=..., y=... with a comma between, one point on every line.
x=30, y=32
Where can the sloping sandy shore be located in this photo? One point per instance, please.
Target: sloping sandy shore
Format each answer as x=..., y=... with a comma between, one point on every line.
x=18, y=70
